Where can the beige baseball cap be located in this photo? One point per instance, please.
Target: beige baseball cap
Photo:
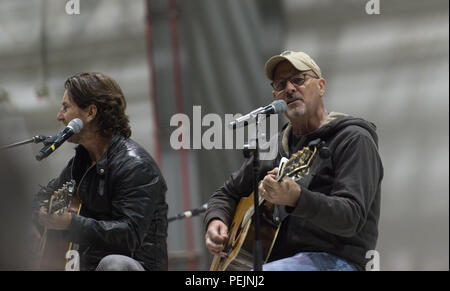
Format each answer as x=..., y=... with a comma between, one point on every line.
x=299, y=60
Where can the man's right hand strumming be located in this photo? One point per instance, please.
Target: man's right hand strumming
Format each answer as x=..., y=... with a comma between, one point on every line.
x=216, y=236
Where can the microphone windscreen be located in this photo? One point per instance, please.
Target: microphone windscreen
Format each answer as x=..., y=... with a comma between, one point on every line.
x=76, y=124
x=279, y=106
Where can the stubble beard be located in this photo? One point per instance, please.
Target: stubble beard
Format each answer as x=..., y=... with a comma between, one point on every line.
x=297, y=112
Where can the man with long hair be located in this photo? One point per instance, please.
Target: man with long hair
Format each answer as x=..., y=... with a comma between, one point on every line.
x=122, y=221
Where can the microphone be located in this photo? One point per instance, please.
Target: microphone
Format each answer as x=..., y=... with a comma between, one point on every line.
x=49, y=140
x=277, y=106
x=74, y=126
x=189, y=213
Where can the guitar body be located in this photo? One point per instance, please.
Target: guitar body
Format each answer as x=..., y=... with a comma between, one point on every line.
x=240, y=243
x=54, y=244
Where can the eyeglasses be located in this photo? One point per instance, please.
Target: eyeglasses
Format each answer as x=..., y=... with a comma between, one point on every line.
x=298, y=80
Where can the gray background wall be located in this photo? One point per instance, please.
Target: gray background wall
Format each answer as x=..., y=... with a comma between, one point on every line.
x=391, y=69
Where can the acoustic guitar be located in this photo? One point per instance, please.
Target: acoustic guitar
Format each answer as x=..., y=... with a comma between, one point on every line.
x=239, y=246
x=54, y=248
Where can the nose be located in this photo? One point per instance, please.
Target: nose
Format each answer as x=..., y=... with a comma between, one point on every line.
x=60, y=116
x=290, y=87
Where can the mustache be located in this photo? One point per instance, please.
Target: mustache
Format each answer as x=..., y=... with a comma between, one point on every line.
x=293, y=97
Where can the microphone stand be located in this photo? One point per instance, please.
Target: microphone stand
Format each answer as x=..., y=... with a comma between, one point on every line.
x=257, y=249
x=257, y=246
x=189, y=213
x=35, y=139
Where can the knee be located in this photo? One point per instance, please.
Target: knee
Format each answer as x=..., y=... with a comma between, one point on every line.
x=113, y=263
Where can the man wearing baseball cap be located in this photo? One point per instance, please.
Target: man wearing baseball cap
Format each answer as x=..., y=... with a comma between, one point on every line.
x=328, y=216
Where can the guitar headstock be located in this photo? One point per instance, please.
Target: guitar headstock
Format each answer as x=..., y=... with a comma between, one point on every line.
x=60, y=199
x=298, y=164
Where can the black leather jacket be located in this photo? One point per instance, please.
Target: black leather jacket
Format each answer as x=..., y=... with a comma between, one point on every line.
x=123, y=205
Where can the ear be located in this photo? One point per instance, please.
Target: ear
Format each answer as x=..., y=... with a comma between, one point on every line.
x=322, y=86
x=91, y=112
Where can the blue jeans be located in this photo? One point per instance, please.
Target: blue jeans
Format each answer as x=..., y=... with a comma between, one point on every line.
x=310, y=261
